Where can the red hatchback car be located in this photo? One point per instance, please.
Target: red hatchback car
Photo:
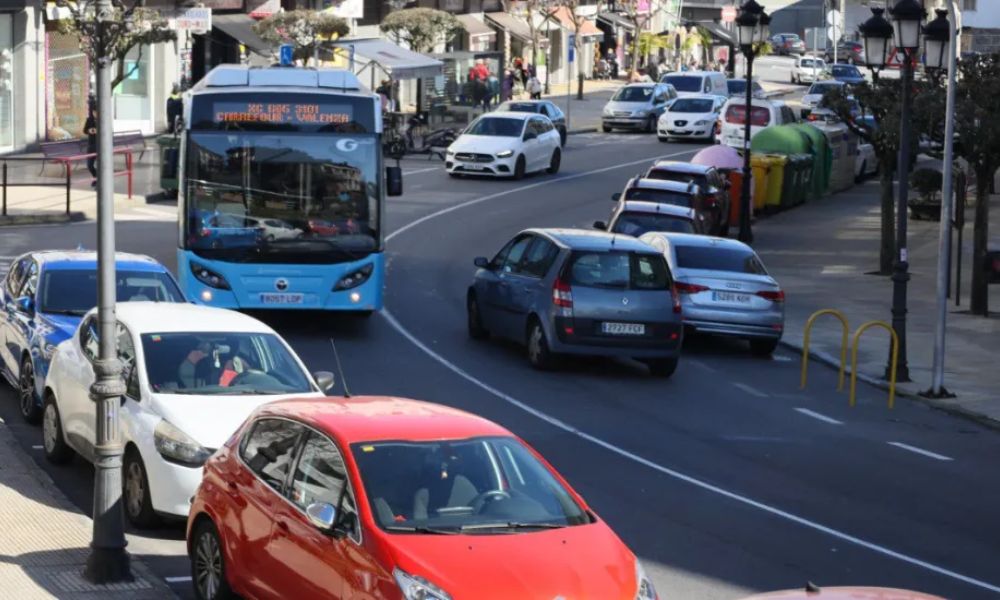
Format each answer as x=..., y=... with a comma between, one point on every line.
x=374, y=497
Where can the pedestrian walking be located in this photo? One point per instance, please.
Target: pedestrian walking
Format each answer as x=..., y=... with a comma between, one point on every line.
x=90, y=129
x=507, y=86
x=175, y=109
x=483, y=90
x=535, y=88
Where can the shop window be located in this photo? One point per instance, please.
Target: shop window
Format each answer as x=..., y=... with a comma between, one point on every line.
x=132, y=94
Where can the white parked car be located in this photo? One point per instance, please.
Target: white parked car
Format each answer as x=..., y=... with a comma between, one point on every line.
x=814, y=96
x=193, y=374
x=505, y=144
x=763, y=113
x=690, y=117
x=274, y=229
x=866, y=163
x=808, y=69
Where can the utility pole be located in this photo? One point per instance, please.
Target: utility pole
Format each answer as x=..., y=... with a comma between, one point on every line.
x=108, y=561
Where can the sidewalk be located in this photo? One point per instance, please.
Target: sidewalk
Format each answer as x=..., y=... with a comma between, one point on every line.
x=821, y=253
x=45, y=540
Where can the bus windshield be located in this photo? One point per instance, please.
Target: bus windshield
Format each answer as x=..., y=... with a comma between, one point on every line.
x=282, y=197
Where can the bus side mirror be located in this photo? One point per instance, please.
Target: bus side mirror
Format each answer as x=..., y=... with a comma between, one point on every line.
x=393, y=181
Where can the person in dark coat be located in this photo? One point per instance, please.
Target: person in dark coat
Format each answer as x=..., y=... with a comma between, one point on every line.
x=507, y=86
x=90, y=130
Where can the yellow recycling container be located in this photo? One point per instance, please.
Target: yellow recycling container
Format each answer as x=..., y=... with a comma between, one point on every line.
x=760, y=165
x=775, y=180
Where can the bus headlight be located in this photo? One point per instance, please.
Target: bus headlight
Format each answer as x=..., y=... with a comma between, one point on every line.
x=209, y=277
x=354, y=278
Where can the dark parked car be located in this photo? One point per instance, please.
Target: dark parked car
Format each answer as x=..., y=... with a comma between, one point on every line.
x=848, y=74
x=574, y=291
x=848, y=52
x=544, y=107
x=787, y=43
x=636, y=217
x=712, y=185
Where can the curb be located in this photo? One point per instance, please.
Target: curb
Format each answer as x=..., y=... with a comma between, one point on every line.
x=582, y=130
x=935, y=403
x=37, y=219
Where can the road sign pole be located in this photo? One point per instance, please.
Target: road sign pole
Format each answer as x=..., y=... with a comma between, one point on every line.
x=570, y=47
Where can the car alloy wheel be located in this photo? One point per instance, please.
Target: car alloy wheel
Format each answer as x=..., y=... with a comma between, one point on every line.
x=208, y=565
x=538, y=347
x=56, y=449
x=135, y=491
x=554, y=162
x=30, y=411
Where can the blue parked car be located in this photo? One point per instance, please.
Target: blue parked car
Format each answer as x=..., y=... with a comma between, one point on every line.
x=848, y=74
x=44, y=295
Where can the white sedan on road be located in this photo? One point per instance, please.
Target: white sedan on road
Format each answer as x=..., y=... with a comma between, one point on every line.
x=690, y=118
x=506, y=144
x=192, y=373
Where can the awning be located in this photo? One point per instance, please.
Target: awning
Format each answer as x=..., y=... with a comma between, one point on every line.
x=12, y=5
x=511, y=24
x=587, y=27
x=716, y=31
x=400, y=63
x=240, y=27
x=616, y=20
x=474, y=27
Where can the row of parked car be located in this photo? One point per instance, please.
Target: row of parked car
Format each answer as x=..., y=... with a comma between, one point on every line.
x=631, y=286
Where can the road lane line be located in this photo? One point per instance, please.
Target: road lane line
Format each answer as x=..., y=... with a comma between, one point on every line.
x=178, y=579
x=916, y=450
x=427, y=170
x=750, y=390
x=821, y=417
x=530, y=186
x=559, y=424
x=701, y=365
x=38, y=447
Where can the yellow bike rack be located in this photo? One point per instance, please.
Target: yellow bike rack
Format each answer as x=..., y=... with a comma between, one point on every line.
x=892, y=366
x=843, y=344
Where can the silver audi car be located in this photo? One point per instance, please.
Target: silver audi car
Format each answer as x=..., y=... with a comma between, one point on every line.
x=576, y=291
x=724, y=288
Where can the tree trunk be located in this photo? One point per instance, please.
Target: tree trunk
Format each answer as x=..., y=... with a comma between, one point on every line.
x=979, y=302
x=634, y=67
x=887, y=244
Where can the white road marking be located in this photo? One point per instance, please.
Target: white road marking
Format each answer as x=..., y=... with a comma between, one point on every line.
x=178, y=579
x=750, y=390
x=553, y=421
x=821, y=417
x=37, y=447
x=701, y=365
x=921, y=451
x=427, y=170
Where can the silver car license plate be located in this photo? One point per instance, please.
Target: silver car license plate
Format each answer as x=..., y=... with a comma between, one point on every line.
x=623, y=328
x=731, y=298
x=272, y=298
x=473, y=167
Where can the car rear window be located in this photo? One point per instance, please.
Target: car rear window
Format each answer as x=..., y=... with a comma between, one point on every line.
x=759, y=116
x=618, y=270
x=718, y=259
x=660, y=196
x=638, y=223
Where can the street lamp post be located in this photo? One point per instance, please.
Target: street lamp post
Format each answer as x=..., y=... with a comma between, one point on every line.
x=108, y=561
x=751, y=29
x=907, y=18
x=941, y=53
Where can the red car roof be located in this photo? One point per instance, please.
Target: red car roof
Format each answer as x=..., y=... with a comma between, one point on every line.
x=374, y=418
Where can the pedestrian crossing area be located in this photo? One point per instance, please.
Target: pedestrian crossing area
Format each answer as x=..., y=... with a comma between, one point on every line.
x=148, y=213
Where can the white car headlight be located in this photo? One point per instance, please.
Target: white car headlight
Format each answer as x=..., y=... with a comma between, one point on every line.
x=415, y=587
x=505, y=154
x=608, y=111
x=643, y=584
x=177, y=446
x=702, y=122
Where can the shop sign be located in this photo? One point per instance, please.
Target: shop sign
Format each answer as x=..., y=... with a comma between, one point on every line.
x=195, y=20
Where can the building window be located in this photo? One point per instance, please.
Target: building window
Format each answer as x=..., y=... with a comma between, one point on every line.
x=132, y=94
x=67, y=85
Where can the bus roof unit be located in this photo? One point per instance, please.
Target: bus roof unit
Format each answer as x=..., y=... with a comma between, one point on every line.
x=224, y=76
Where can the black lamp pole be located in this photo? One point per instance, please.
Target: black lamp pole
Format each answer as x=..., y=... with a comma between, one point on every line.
x=751, y=26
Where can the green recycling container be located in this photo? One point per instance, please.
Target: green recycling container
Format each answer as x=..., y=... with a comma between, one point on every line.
x=169, y=157
x=802, y=165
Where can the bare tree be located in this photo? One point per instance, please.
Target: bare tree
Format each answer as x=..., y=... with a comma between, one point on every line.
x=578, y=21
x=640, y=14
x=132, y=26
x=308, y=31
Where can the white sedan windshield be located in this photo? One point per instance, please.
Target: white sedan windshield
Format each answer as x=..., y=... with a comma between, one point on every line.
x=222, y=364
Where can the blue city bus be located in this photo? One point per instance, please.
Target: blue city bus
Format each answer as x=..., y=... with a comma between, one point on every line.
x=282, y=191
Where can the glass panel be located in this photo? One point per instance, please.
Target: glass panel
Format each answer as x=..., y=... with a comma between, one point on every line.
x=268, y=450
x=132, y=94
x=619, y=270
x=6, y=80
x=66, y=291
x=719, y=259
x=319, y=475
x=67, y=86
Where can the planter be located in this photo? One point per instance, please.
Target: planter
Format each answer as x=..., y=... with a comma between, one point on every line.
x=925, y=211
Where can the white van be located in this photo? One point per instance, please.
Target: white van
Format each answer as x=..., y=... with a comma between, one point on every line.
x=695, y=83
x=763, y=113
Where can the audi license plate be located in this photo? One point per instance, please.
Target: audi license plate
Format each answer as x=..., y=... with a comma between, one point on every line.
x=731, y=297
x=272, y=298
x=623, y=328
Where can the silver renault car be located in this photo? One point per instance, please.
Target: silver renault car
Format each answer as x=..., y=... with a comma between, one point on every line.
x=576, y=291
x=724, y=288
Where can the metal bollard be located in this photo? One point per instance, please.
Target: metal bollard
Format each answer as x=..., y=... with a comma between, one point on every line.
x=5, y=188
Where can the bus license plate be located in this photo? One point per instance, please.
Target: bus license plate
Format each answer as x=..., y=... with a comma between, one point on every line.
x=272, y=298
x=623, y=328
x=731, y=298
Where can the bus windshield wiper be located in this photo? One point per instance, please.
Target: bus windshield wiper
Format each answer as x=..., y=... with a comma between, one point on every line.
x=420, y=529
x=512, y=525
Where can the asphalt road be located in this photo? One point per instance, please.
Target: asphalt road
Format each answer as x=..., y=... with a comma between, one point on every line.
x=725, y=480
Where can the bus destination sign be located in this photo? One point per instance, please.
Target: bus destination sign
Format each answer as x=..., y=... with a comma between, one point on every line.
x=282, y=113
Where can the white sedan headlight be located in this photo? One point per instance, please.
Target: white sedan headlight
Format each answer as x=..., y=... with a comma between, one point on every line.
x=505, y=154
x=644, y=585
x=415, y=587
x=608, y=112
x=177, y=446
x=702, y=122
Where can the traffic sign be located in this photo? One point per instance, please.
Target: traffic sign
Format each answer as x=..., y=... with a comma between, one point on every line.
x=193, y=19
x=728, y=14
x=285, y=55
x=572, y=46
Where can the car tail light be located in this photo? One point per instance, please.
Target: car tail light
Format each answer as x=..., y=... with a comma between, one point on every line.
x=778, y=296
x=676, y=298
x=562, y=296
x=689, y=288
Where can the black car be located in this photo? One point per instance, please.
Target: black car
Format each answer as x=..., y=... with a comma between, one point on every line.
x=553, y=112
